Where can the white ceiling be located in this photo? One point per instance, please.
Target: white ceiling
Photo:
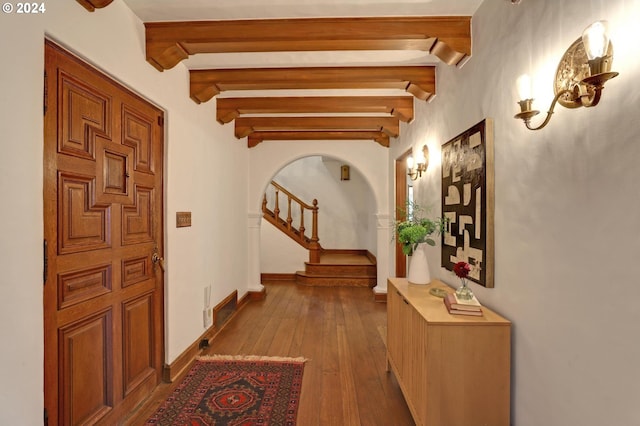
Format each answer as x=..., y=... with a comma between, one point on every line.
x=187, y=10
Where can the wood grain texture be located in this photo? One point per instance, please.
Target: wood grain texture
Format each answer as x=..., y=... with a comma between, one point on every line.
x=244, y=126
x=417, y=80
x=448, y=38
x=256, y=138
x=227, y=109
x=341, y=333
x=92, y=5
x=259, y=129
x=453, y=369
x=102, y=299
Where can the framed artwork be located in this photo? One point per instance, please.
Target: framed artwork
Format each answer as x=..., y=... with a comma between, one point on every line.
x=468, y=202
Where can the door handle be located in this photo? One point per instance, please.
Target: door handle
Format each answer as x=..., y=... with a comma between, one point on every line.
x=157, y=259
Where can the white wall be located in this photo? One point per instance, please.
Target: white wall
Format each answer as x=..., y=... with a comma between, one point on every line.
x=567, y=222
x=345, y=206
x=346, y=216
x=21, y=226
x=201, y=157
x=368, y=158
x=279, y=254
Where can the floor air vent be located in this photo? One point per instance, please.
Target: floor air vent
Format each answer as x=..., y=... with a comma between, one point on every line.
x=223, y=311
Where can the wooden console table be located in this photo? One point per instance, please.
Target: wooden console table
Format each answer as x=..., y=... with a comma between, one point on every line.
x=453, y=370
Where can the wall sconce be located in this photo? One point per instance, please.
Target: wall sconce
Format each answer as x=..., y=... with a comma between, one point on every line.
x=580, y=77
x=422, y=161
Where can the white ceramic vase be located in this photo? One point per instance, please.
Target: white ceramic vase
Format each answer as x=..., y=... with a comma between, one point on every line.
x=419, y=266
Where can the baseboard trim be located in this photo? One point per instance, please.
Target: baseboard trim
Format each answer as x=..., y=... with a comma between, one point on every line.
x=380, y=297
x=183, y=361
x=277, y=277
x=173, y=370
x=252, y=296
x=372, y=257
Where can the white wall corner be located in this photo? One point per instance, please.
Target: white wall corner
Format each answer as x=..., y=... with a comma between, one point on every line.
x=254, y=220
x=384, y=250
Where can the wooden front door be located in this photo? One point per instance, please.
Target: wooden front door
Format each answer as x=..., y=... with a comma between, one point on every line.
x=103, y=295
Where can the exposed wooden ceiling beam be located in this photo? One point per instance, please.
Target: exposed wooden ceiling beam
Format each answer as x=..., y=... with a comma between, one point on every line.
x=378, y=136
x=228, y=109
x=244, y=126
x=447, y=37
x=92, y=5
x=420, y=81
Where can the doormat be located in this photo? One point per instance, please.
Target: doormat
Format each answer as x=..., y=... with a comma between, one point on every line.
x=235, y=390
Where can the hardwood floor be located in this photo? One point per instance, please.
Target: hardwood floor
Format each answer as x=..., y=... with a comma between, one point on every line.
x=340, y=330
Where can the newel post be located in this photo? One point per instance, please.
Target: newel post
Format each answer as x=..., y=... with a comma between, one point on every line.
x=314, y=246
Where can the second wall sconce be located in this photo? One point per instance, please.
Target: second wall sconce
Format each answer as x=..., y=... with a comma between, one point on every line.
x=580, y=77
x=421, y=163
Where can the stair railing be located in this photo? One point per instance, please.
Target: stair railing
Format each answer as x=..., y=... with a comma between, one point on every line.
x=295, y=231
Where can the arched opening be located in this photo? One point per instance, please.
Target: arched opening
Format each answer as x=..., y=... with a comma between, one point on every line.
x=347, y=209
x=369, y=159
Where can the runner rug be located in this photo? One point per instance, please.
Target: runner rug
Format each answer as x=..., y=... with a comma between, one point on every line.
x=235, y=391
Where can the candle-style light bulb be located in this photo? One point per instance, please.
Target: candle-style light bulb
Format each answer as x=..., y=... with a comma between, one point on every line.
x=524, y=87
x=410, y=162
x=596, y=39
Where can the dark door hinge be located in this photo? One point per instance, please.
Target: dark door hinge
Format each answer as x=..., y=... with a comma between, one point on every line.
x=45, y=100
x=160, y=120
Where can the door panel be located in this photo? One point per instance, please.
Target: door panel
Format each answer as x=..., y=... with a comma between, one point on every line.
x=103, y=296
x=137, y=219
x=138, y=341
x=81, y=285
x=86, y=109
x=82, y=224
x=85, y=369
x=137, y=133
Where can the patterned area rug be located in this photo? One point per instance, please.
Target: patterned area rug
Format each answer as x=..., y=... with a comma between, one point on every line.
x=235, y=391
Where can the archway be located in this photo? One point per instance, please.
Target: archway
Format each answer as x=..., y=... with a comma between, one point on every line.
x=346, y=208
x=368, y=159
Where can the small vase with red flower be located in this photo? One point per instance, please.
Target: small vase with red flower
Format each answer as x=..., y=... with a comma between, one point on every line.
x=462, y=269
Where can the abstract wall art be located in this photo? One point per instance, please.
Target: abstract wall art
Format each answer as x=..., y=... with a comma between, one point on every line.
x=468, y=202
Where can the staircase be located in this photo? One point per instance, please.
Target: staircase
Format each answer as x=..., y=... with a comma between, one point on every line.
x=326, y=267
x=337, y=268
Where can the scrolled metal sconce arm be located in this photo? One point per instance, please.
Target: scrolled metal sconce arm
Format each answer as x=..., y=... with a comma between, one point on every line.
x=582, y=72
x=527, y=113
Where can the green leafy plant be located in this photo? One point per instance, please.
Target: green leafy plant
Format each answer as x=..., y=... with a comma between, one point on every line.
x=416, y=228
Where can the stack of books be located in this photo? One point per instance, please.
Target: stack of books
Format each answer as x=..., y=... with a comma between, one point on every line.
x=457, y=306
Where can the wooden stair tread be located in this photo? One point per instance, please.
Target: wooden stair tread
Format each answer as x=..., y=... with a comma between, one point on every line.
x=335, y=281
x=326, y=267
x=345, y=259
x=346, y=268
x=308, y=274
